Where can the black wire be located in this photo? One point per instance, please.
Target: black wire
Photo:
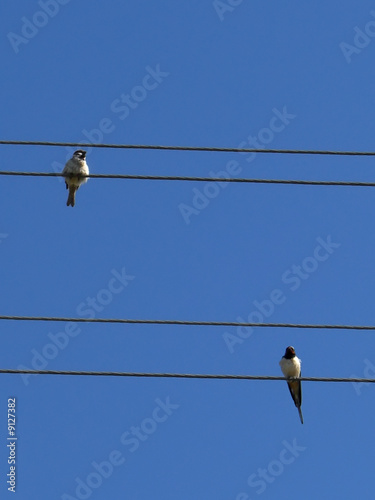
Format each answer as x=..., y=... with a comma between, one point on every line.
x=187, y=323
x=189, y=148
x=197, y=179
x=182, y=375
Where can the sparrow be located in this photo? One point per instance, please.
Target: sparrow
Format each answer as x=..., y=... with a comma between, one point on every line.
x=73, y=171
x=291, y=367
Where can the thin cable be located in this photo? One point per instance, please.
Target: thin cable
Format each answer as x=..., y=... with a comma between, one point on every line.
x=190, y=148
x=182, y=375
x=198, y=179
x=187, y=323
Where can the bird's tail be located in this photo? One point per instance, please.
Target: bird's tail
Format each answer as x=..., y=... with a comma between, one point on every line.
x=72, y=196
x=300, y=414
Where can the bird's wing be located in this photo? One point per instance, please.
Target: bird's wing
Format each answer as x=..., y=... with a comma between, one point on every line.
x=295, y=391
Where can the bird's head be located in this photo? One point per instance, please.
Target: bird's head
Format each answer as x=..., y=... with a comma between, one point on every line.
x=289, y=352
x=79, y=154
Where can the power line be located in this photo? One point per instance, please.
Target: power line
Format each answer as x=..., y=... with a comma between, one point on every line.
x=189, y=148
x=188, y=323
x=183, y=375
x=198, y=179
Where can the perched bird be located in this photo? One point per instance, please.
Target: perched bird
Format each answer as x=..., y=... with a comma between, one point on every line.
x=73, y=171
x=291, y=367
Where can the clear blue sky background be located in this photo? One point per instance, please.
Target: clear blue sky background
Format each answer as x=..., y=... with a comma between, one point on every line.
x=220, y=81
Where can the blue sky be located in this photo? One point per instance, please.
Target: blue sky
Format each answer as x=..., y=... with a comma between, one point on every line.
x=197, y=73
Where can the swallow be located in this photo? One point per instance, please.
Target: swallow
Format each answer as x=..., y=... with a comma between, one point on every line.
x=291, y=367
x=75, y=172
